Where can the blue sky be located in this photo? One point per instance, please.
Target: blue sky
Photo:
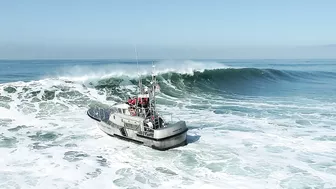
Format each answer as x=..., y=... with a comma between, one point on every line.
x=167, y=29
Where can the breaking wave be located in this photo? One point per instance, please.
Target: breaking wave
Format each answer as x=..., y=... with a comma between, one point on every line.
x=271, y=142
x=246, y=81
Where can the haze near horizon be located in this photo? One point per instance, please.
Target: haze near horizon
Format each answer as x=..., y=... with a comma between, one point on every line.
x=167, y=29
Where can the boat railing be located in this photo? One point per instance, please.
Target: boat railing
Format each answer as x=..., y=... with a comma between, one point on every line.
x=148, y=128
x=164, y=116
x=148, y=131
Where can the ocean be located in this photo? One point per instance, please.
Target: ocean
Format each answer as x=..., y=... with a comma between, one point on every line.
x=252, y=124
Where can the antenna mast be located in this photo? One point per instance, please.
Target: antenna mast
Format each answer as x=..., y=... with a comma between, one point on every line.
x=140, y=81
x=153, y=88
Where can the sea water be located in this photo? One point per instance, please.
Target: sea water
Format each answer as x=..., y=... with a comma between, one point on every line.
x=252, y=124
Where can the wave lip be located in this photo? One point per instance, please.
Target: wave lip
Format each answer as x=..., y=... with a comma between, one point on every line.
x=89, y=73
x=179, y=77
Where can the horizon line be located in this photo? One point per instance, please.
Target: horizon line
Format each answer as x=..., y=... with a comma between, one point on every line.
x=153, y=59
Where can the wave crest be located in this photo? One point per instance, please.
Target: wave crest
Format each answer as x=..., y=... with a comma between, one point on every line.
x=132, y=70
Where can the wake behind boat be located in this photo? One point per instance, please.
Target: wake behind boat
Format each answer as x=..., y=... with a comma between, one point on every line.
x=138, y=120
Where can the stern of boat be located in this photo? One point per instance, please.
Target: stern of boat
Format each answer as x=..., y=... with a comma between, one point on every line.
x=172, y=136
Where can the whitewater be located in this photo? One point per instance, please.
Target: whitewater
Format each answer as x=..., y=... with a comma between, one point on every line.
x=252, y=124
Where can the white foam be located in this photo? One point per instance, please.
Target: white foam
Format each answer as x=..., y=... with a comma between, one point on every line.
x=268, y=146
x=85, y=73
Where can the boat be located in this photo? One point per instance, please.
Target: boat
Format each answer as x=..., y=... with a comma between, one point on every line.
x=139, y=121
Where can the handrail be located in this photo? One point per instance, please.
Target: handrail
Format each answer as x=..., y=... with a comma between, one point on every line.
x=169, y=114
x=149, y=128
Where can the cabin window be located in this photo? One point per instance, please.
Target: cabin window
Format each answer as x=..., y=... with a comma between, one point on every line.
x=114, y=117
x=122, y=120
x=119, y=110
x=124, y=111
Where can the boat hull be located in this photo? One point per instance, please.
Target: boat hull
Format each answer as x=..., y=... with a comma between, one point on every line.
x=171, y=136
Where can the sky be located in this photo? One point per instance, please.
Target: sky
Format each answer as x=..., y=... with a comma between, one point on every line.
x=184, y=29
